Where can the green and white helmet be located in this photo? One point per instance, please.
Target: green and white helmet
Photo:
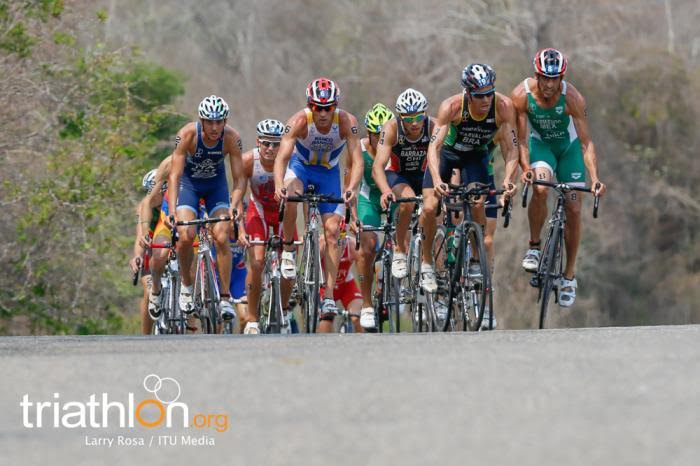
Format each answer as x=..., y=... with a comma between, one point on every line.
x=376, y=117
x=213, y=108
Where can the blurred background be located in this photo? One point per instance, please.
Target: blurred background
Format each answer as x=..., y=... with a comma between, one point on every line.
x=92, y=93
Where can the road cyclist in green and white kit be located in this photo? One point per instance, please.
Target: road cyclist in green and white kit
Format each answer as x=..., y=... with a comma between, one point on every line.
x=369, y=210
x=558, y=142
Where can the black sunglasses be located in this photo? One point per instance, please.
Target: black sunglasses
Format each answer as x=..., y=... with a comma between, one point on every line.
x=482, y=95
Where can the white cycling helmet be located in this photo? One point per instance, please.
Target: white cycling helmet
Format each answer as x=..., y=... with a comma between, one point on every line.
x=213, y=108
x=149, y=179
x=411, y=101
x=270, y=128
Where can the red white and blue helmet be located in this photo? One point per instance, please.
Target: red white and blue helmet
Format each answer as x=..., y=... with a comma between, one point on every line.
x=550, y=63
x=323, y=92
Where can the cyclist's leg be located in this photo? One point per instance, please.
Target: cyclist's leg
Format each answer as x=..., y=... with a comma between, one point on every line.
x=255, y=227
x=430, y=206
x=401, y=187
x=187, y=208
x=328, y=182
x=544, y=163
x=571, y=170
x=146, y=321
x=475, y=170
x=349, y=294
x=239, y=275
x=295, y=181
x=217, y=204
x=369, y=214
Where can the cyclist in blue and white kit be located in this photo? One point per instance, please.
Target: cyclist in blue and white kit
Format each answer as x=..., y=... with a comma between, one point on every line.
x=314, y=139
x=198, y=171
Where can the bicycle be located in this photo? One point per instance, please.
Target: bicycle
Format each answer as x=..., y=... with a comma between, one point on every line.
x=171, y=320
x=270, y=307
x=549, y=272
x=468, y=293
x=206, y=296
x=385, y=299
x=310, y=273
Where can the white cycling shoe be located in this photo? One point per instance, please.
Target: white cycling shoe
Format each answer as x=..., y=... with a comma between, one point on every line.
x=154, y=309
x=485, y=320
x=288, y=264
x=367, y=320
x=185, y=299
x=399, y=268
x=567, y=292
x=531, y=261
x=227, y=310
x=427, y=278
x=251, y=328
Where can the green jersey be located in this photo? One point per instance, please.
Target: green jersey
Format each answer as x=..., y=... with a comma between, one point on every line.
x=551, y=125
x=368, y=187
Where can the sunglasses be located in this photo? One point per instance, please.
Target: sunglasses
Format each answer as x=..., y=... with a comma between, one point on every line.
x=270, y=143
x=413, y=119
x=319, y=108
x=482, y=95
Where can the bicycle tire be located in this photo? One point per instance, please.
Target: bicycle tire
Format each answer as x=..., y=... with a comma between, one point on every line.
x=479, y=292
x=275, y=308
x=550, y=269
x=455, y=291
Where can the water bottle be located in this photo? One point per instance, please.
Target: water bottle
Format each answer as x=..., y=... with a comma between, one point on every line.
x=452, y=238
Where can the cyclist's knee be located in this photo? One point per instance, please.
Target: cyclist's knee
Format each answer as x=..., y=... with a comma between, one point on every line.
x=539, y=193
x=573, y=210
x=256, y=267
x=430, y=205
x=368, y=243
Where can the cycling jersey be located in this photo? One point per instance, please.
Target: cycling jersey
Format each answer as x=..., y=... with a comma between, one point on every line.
x=467, y=147
x=315, y=161
x=317, y=148
x=369, y=209
x=204, y=176
x=554, y=143
x=409, y=158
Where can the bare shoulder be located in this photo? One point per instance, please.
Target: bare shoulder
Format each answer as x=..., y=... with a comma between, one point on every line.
x=248, y=158
x=189, y=131
x=575, y=102
x=296, y=123
x=504, y=103
x=389, y=132
x=518, y=96
x=346, y=118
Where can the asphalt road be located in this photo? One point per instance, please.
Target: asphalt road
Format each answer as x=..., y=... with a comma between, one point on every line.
x=614, y=396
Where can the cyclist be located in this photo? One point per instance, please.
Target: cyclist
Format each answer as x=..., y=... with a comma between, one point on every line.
x=198, y=172
x=400, y=165
x=558, y=143
x=369, y=210
x=314, y=138
x=262, y=213
x=345, y=289
x=154, y=208
x=141, y=259
x=468, y=126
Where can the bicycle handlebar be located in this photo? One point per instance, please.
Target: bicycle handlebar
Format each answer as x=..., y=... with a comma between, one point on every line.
x=565, y=188
x=204, y=221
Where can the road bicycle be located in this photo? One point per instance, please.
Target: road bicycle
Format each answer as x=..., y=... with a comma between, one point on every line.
x=206, y=295
x=310, y=273
x=385, y=298
x=270, y=307
x=550, y=271
x=468, y=291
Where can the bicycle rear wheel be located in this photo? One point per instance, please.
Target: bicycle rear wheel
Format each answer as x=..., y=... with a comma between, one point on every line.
x=550, y=271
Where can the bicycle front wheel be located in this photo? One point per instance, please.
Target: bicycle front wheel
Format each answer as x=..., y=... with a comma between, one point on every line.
x=549, y=272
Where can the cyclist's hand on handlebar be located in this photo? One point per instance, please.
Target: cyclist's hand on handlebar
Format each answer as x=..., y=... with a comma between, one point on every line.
x=441, y=188
x=280, y=194
x=510, y=188
x=528, y=176
x=170, y=221
x=135, y=263
x=349, y=196
x=598, y=188
x=243, y=239
x=386, y=198
x=145, y=241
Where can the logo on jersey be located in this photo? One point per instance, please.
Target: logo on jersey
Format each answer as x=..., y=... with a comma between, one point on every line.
x=199, y=152
x=576, y=176
x=531, y=108
x=559, y=110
